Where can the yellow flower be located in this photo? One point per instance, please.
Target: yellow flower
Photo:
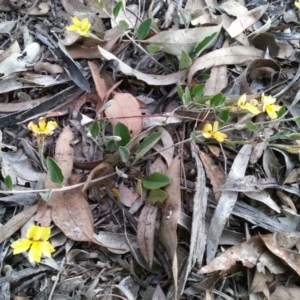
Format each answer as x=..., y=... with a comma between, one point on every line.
x=211, y=131
x=43, y=128
x=297, y=3
x=251, y=106
x=269, y=106
x=37, y=240
x=82, y=27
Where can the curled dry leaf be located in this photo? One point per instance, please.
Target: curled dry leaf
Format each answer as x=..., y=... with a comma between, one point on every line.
x=125, y=105
x=145, y=232
x=250, y=252
x=151, y=79
x=225, y=56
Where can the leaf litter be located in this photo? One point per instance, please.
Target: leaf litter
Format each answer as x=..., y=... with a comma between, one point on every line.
x=151, y=198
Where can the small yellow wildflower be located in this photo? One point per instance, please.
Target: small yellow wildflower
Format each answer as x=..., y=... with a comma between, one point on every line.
x=37, y=240
x=251, y=106
x=211, y=131
x=82, y=27
x=42, y=128
x=297, y=3
x=269, y=106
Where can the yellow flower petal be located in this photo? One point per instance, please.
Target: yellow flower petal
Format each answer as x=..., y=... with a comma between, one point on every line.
x=242, y=100
x=42, y=123
x=76, y=21
x=51, y=126
x=219, y=136
x=21, y=245
x=207, y=135
x=297, y=4
x=47, y=249
x=252, y=109
x=35, y=252
x=207, y=128
x=215, y=127
x=271, y=110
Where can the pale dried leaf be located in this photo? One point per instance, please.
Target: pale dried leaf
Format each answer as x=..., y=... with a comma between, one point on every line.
x=294, y=176
x=176, y=41
x=145, y=232
x=225, y=56
x=243, y=22
x=151, y=79
x=217, y=81
x=226, y=202
x=285, y=292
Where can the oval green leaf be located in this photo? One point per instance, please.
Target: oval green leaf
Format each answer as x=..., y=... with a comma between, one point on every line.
x=54, y=171
x=144, y=29
x=155, y=181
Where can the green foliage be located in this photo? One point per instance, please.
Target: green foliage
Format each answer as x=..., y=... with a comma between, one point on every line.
x=144, y=29
x=157, y=195
x=122, y=131
x=223, y=116
x=46, y=196
x=117, y=8
x=153, y=49
x=8, y=182
x=281, y=112
x=101, y=5
x=123, y=25
x=202, y=45
x=94, y=130
x=186, y=97
x=155, y=181
x=185, y=61
x=147, y=144
x=54, y=171
x=124, y=154
x=217, y=100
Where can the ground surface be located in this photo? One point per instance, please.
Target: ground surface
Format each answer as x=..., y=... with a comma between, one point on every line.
x=174, y=143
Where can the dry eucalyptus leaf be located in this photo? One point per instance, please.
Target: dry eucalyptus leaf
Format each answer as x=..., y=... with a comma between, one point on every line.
x=174, y=42
x=125, y=105
x=151, y=79
x=225, y=56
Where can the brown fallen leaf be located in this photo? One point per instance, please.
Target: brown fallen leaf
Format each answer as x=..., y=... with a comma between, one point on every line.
x=170, y=215
x=250, y=252
x=214, y=173
x=125, y=105
x=286, y=292
x=294, y=176
x=145, y=232
x=102, y=169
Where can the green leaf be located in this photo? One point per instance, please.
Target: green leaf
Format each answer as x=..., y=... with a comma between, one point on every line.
x=251, y=126
x=197, y=90
x=281, y=112
x=101, y=5
x=217, y=100
x=153, y=49
x=203, y=45
x=124, y=153
x=123, y=25
x=201, y=100
x=186, y=97
x=117, y=9
x=54, y=171
x=144, y=29
x=155, y=181
x=122, y=131
x=185, y=60
x=223, y=116
x=179, y=91
x=147, y=144
x=157, y=196
x=294, y=136
x=46, y=196
x=8, y=182
x=94, y=129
